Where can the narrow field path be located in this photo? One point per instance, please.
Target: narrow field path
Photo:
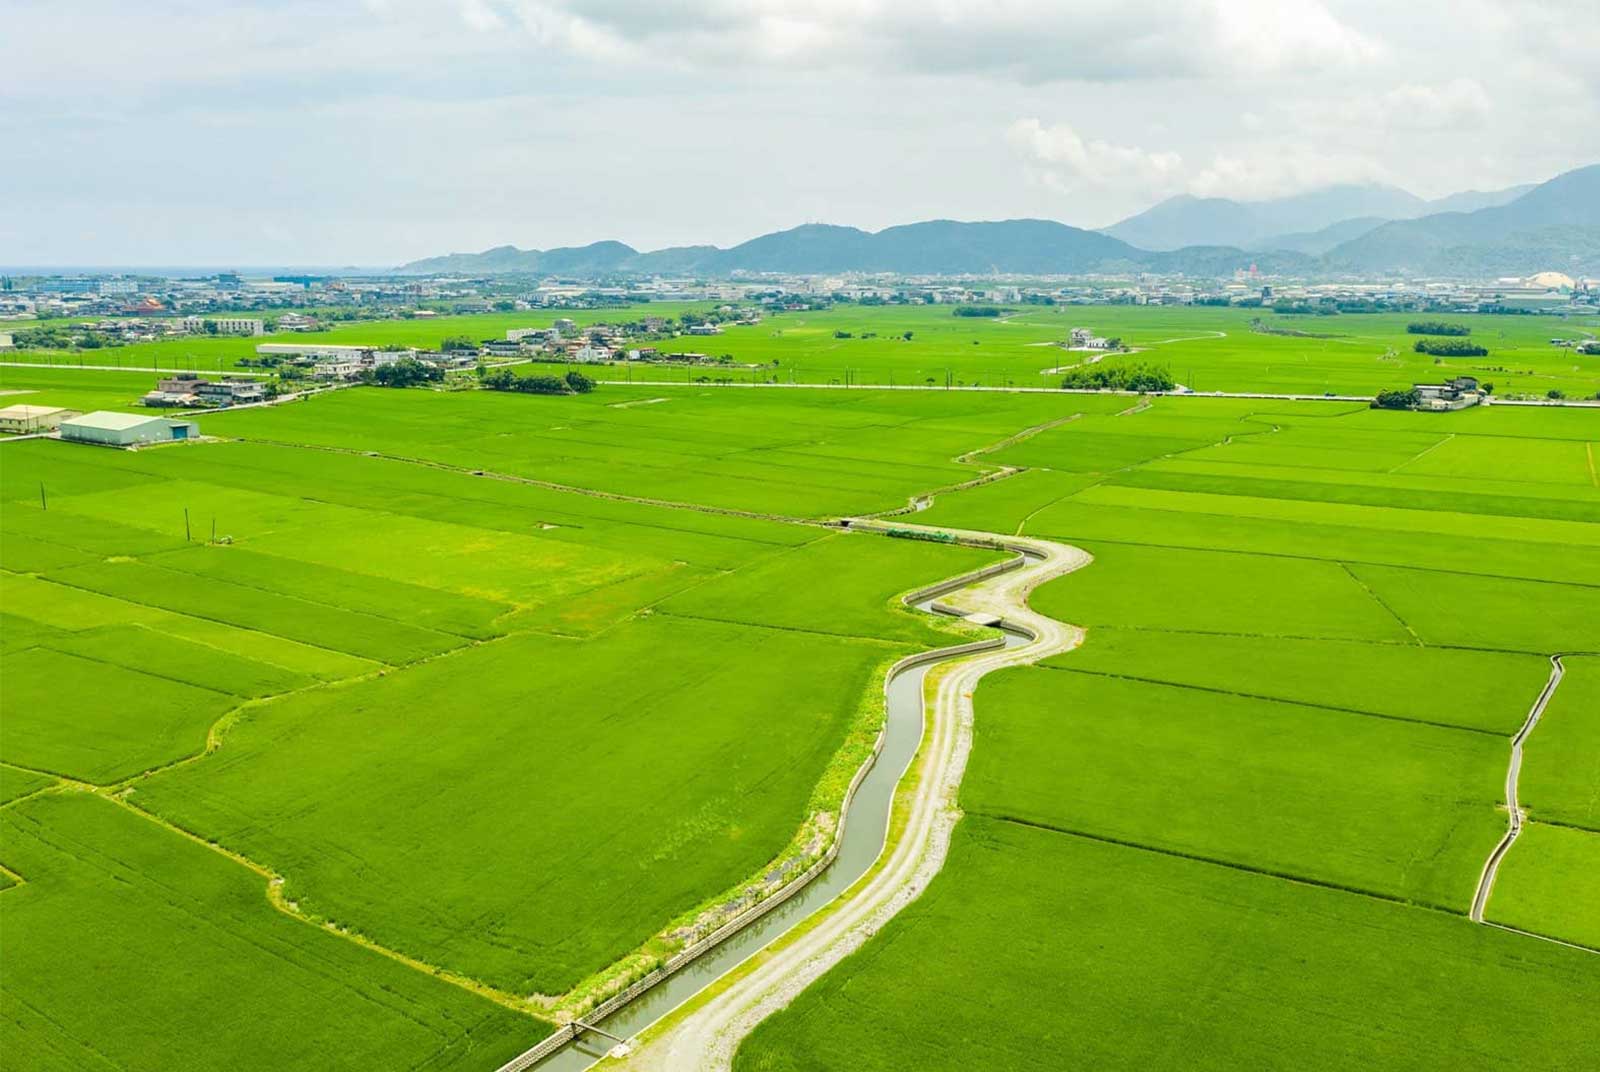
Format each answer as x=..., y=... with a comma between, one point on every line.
x=1514, y=818
x=705, y=1035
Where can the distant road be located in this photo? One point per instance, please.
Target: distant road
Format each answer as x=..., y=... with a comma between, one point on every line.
x=1289, y=396
x=128, y=368
x=1001, y=390
x=1577, y=403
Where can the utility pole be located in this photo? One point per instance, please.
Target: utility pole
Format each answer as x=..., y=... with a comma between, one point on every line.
x=43, y=503
x=185, y=524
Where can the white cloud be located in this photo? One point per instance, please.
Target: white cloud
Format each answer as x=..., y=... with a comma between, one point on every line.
x=1259, y=171
x=1028, y=41
x=373, y=129
x=1058, y=157
x=1063, y=160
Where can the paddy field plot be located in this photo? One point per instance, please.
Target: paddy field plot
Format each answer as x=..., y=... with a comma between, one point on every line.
x=1560, y=780
x=131, y=946
x=76, y=389
x=1306, y=653
x=1400, y=809
x=1473, y=690
x=1549, y=884
x=476, y=702
x=1040, y=950
x=793, y=453
x=530, y=810
x=507, y=730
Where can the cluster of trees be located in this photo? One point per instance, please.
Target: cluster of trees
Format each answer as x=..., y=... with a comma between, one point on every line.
x=503, y=379
x=458, y=342
x=1446, y=348
x=406, y=372
x=1407, y=399
x=976, y=310
x=1437, y=327
x=1136, y=376
x=62, y=338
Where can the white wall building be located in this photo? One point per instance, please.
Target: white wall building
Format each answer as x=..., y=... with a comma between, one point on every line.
x=226, y=325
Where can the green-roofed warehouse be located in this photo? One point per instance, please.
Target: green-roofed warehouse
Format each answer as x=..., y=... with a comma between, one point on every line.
x=110, y=429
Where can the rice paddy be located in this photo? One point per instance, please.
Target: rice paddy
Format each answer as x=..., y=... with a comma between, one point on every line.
x=405, y=719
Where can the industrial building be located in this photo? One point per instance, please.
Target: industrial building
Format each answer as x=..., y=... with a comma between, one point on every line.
x=24, y=420
x=109, y=429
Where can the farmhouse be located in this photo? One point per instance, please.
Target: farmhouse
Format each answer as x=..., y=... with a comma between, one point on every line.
x=109, y=429
x=326, y=354
x=337, y=370
x=1084, y=339
x=1457, y=393
x=23, y=420
x=192, y=391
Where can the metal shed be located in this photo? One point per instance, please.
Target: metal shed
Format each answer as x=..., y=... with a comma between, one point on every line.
x=125, y=429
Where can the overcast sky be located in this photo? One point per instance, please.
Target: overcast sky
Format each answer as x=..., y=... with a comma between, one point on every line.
x=377, y=131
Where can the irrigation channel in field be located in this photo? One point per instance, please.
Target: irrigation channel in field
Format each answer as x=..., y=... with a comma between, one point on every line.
x=861, y=840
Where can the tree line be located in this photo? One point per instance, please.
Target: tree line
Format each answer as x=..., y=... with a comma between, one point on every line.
x=1448, y=348
x=1136, y=376
x=503, y=379
x=1437, y=327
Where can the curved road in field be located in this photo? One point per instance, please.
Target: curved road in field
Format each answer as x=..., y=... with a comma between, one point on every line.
x=706, y=1035
x=1491, y=867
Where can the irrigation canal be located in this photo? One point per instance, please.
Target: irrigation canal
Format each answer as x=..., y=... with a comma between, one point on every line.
x=865, y=831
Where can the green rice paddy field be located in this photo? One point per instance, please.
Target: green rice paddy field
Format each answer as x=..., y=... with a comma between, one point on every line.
x=1242, y=825
x=1206, y=348
x=475, y=696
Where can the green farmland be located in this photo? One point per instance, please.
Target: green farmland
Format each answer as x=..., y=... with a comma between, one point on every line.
x=1263, y=790
x=392, y=727
x=1206, y=349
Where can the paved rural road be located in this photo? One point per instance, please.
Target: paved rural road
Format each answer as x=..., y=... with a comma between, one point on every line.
x=1491, y=867
x=127, y=368
x=706, y=1034
x=735, y=384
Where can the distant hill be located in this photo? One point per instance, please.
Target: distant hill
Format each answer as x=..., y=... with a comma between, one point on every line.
x=1217, y=221
x=1503, y=232
x=1312, y=222
x=1555, y=225
x=1473, y=200
x=1316, y=243
x=937, y=247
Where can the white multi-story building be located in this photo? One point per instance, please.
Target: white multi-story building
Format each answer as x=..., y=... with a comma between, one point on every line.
x=226, y=325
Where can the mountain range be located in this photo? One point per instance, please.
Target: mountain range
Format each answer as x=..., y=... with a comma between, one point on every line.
x=1288, y=222
x=1339, y=230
